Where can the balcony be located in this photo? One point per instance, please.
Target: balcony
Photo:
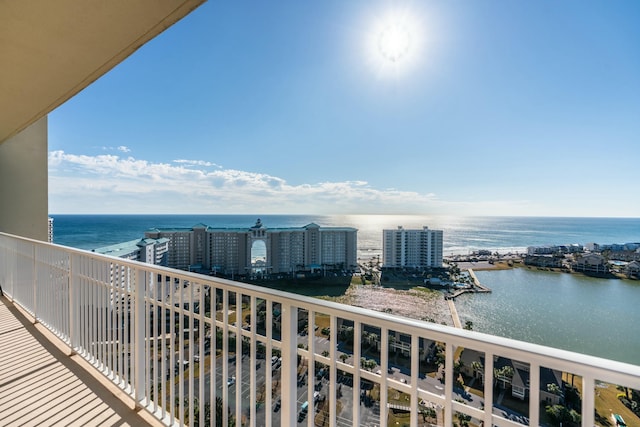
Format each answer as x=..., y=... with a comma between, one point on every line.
x=42, y=384
x=191, y=350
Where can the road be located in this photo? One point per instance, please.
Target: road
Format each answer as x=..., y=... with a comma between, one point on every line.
x=369, y=416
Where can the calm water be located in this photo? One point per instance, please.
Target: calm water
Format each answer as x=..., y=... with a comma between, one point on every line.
x=593, y=316
x=568, y=311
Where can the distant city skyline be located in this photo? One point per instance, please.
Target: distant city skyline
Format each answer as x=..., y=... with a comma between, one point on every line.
x=368, y=107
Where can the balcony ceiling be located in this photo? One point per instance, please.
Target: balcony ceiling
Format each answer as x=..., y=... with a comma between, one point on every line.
x=51, y=50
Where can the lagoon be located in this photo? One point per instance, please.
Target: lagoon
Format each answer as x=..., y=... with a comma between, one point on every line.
x=568, y=311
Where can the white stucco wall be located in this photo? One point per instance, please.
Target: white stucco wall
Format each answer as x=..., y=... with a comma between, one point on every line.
x=24, y=199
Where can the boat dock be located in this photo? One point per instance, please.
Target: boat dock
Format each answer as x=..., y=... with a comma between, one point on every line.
x=476, y=282
x=477, y=287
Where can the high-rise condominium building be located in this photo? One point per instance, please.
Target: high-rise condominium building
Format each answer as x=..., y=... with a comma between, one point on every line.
x=151, y=251
x=50, y=230
x=412, y=248
x=230, y=251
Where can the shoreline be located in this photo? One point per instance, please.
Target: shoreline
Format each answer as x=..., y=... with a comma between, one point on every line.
x=422, y=303
x=504, y=265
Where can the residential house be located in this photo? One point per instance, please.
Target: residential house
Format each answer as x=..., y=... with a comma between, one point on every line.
x=591, y=263
x=551, y=261
x=473, y=363
x=633, y=269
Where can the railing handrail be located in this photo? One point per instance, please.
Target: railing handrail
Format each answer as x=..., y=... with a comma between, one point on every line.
x=591, y=368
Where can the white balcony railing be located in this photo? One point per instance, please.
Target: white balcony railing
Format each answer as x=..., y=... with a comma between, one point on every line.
x=203, y=351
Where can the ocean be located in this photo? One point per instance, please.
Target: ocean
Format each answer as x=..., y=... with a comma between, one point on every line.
x=461, y=234
x=588, y=315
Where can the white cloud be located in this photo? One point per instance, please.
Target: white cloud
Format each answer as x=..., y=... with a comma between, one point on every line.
x=196, y=163
x=111, y=184
x=121, y=148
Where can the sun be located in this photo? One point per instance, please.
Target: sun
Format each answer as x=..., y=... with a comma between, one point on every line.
x=395, y=40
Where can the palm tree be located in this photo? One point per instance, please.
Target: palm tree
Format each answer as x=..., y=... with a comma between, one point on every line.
x=504, y=374
x=508, y=371
x=554, y=389
x=477, y=367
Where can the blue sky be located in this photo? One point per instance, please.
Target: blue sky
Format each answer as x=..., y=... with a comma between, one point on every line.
x=491, y=108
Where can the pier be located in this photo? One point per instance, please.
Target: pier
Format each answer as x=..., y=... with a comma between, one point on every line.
x=477, y=287
x=454, y=314
x=477, y=283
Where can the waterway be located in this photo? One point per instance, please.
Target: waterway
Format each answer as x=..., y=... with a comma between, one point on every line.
x=573, y=312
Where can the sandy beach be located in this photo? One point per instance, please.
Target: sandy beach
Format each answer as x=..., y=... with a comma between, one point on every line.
x=416, y=303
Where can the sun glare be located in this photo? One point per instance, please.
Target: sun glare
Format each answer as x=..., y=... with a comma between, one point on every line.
x=394, y=42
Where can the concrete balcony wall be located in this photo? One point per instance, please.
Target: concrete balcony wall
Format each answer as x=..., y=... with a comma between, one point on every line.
x=24, y=203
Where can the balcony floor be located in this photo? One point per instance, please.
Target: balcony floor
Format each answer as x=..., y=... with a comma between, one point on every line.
x=41, y=385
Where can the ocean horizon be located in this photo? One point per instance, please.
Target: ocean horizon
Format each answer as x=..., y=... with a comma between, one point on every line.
x=461, y=234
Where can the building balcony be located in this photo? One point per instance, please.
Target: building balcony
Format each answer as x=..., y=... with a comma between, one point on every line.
x=186, y=349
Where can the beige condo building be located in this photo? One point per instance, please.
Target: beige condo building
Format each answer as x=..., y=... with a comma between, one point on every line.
x=239, y=251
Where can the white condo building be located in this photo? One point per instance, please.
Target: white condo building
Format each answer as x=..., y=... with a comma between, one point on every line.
x=151, y=251
x=418, y=248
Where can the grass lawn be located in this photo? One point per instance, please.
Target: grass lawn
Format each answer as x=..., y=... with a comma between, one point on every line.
x=232, y=317
x=322, y=321
x=322, y=416
x=607, y=403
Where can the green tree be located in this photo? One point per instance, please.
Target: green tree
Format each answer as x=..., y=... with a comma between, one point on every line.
x=477, y=367
x=560, y=415
x=554, y=389
x=504, y=375
x=370, y=364
x=440, y=356
x=429, y=414
x=454, y=271
x=463, y=419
